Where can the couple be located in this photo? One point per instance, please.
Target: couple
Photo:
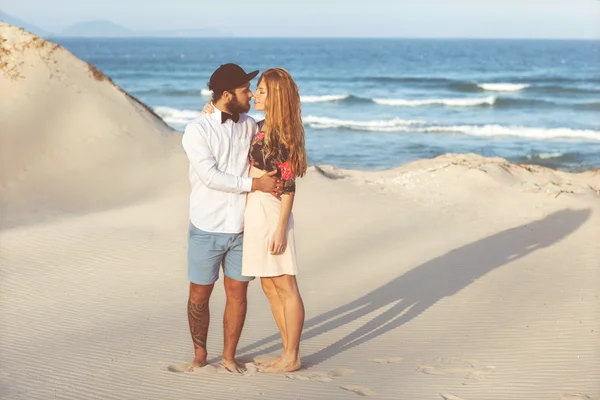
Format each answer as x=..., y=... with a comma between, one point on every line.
x=242, y=176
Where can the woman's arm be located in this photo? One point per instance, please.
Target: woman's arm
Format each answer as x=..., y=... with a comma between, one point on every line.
x=287, y=202
x=279, y=241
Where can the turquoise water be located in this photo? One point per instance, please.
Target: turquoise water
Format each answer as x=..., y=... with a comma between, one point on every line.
x=379, y=103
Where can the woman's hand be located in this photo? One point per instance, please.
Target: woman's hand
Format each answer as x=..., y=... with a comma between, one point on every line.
x=208, y=108
x=278, y=242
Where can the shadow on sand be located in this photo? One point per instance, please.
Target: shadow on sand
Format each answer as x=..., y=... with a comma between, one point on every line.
x=420, y=288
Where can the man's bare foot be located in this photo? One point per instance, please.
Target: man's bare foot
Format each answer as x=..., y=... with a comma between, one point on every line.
x=233, y=366
x=268, y=363
x=187, y=367
x=284, y=365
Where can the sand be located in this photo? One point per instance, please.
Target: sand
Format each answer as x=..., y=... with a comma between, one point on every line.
x=460, y=277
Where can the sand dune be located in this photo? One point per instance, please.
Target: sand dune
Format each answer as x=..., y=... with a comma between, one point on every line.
x=71, y=139
x=461, y=277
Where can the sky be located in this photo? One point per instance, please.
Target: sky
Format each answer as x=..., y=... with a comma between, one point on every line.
x=329, y=18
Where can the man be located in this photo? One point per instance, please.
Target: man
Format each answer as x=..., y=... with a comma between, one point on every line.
x=217, y=146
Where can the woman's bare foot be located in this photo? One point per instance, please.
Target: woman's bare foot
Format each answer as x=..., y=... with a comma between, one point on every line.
x=268, y=363
x=284, y=365
x=233, y=366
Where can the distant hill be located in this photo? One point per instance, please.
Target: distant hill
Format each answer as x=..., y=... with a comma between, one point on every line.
x=111, y=29
x=98, y=28
x=108, y=29
x=9, y=19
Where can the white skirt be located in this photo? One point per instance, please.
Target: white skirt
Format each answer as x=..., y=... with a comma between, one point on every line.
x=260, y=222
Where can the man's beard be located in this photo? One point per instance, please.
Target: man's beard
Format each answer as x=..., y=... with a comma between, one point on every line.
x=237, y=107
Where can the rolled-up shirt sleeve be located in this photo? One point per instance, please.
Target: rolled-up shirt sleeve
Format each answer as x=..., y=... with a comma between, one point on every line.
x=204, y=163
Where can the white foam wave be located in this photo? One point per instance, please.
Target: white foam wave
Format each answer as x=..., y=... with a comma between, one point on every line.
x=320, y=99
x=175, y=116
x=392, y=125
x=445, y=102
x=503, y=87
x=206, y=93
x=545, y=156
x=181, y=117
x=400, y=125
x=518, y=131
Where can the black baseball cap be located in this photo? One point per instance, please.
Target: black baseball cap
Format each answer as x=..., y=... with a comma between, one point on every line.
x=228, y=77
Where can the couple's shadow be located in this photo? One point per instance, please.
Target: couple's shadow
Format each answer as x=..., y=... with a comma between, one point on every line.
x=420, y=288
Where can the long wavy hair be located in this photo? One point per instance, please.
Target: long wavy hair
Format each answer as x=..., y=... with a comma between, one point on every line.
x=283, y=119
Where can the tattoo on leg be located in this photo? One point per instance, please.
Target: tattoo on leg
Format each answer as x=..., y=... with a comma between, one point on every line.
x=198, y=317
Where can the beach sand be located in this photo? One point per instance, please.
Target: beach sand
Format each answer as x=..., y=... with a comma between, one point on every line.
x=460, y=277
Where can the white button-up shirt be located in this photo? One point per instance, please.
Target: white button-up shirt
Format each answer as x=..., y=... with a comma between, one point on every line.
x=218, y=172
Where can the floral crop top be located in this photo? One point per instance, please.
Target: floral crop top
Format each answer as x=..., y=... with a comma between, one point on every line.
x=278, y=161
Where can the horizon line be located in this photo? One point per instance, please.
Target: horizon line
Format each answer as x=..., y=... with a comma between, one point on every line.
x=324, y=37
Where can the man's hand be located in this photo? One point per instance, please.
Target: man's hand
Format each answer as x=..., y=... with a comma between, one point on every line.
x=268, y=184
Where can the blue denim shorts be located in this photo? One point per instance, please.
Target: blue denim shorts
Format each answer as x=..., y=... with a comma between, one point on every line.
x=208, y=251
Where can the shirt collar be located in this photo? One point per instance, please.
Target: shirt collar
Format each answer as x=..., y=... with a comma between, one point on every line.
x=217, y=114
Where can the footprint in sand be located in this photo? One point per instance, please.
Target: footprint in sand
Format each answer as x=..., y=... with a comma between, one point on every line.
x=448, y=396
x=341, y=372
x=314, y=376
x=392, y=360
x=184, y=368
x=251, y=369
x=456, y=367
x=575, y=396
x=320, y=376
x=359, y=390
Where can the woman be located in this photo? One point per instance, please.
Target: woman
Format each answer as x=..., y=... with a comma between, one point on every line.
x=269, y=249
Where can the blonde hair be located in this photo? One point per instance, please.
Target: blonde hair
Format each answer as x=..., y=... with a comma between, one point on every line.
x=283, y=119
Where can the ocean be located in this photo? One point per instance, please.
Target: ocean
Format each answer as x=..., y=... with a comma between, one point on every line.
x=378, y=103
